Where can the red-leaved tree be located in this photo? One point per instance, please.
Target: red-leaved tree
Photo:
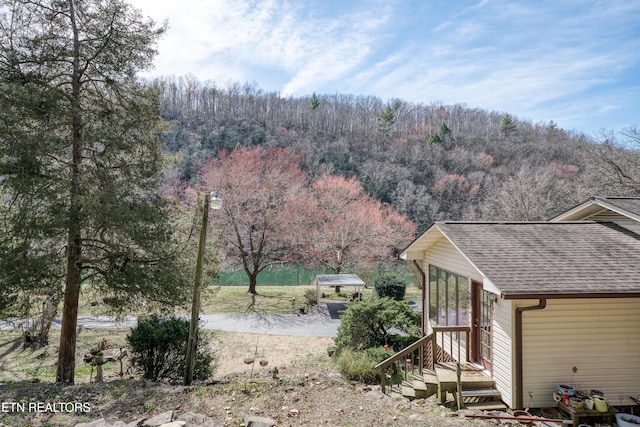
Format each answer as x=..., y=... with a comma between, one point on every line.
x=262, y=192
x=348, y=228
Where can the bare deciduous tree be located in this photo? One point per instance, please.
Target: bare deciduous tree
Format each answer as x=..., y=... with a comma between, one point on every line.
x=262, y=191
x=348, y=228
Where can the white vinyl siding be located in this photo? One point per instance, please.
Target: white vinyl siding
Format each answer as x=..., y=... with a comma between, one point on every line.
x=445, y=256
x=503, y=349
x=600, y=337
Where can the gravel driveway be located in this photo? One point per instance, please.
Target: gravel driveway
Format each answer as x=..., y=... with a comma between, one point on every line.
x=323, y=322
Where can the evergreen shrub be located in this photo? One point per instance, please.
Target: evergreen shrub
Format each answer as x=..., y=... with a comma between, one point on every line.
x=391, y=286
x=159, y=346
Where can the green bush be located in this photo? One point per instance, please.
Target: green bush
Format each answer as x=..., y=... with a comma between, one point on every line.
x=361, y=365
x=391, y=286
x=159, y=346
x=311, y=297
x=375, y=322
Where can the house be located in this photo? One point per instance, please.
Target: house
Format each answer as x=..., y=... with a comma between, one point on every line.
x=547, y=303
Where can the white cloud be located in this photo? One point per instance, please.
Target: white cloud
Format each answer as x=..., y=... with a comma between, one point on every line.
x=540, y=60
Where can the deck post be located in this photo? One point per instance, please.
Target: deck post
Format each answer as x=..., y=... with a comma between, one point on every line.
x=434, y=350
x=459, y=385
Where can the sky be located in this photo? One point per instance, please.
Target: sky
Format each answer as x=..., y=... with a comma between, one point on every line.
x=574, y=62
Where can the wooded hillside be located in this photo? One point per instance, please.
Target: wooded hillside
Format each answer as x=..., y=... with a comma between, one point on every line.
x=430, y=162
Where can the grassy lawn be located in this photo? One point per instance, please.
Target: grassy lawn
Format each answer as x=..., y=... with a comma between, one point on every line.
x=236, y=299
x=17, y=362
x=37, y=364
x=277, y=299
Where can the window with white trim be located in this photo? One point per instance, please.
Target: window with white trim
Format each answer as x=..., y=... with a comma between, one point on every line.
x=449, y=298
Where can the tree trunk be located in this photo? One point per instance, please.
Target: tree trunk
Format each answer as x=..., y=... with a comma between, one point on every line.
x=49, y=312
x=67, y=355
x=253, y=281
x=68, y=333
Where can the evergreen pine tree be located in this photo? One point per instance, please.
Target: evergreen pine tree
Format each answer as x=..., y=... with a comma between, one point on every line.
x=81, y=161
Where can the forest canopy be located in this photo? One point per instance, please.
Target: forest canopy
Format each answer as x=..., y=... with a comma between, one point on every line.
x=430, y=162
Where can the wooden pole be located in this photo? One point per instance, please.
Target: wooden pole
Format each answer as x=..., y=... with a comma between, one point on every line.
x=459, y=385
x=195, y=303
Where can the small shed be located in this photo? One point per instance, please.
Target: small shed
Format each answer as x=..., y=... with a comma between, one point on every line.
x=338, y=280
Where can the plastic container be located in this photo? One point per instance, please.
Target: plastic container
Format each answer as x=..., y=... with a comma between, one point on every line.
x=577, y=403
x=627, y=420
x=600, y=404
x=569, y=389
x=549, y=412
x=588, y=404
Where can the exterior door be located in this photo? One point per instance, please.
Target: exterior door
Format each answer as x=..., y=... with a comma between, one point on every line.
x=481, y=342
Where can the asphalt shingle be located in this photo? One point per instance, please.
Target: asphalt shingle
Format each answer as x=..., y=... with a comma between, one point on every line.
x=553, y=259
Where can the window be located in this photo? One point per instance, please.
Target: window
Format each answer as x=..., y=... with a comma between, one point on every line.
x=449, y=298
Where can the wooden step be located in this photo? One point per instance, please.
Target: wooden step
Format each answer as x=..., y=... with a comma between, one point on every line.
x=422, y=389
x=429, y=377
x=472, y=377
x=407, y=390
x=418, y=383
x=493, y=405
x=481, y=392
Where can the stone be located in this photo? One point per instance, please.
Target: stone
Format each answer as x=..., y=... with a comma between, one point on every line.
x=191, y=418
x=158, y=420
x=198, y=420
x=95, y=423
x=259, y=422
x=175, y=424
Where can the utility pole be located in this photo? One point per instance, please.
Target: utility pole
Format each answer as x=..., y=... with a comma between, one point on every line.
x=195, y=305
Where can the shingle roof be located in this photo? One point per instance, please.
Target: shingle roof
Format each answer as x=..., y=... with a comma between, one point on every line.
x=551, y=259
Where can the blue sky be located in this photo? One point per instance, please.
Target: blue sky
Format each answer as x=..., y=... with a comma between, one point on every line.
x=576, y=62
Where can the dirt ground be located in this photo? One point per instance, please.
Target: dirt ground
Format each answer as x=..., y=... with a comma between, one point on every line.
x=306, y=391
x=292, y=353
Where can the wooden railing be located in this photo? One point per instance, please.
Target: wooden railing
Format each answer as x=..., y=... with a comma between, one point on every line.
x=425, y=353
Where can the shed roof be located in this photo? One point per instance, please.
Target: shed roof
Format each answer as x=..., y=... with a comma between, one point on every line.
x=339, y=280
x=550, y=259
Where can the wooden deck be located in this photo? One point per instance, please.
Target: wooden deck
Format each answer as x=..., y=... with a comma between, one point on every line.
x=471, y=378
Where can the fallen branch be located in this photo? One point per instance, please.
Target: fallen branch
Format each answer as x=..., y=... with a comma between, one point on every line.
x=513, y=418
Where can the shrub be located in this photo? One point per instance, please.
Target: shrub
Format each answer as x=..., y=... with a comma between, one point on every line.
x=391, y=286
x=159, y=346
x=361, y=365
x=375, y=322
x=310, y=297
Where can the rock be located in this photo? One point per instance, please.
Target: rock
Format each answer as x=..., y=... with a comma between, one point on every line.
x=198, y=420
x=377, y=394
x=192, y=418
x=259, y=422
x=318, y=376
x=96, y=423
x=135, y=423
x=159, y=420
x=175, y=424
